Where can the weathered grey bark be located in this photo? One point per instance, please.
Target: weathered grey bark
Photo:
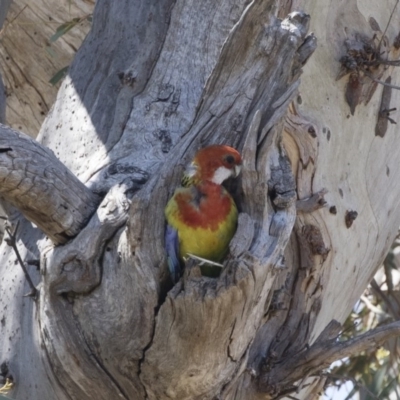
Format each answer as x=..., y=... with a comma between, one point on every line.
x=33, y=180
x=151, y=84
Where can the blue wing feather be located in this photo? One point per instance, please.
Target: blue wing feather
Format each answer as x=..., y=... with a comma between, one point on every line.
x=172, y=248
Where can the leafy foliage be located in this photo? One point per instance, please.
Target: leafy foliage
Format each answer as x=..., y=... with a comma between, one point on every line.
x=59, y=75
x=64, y=28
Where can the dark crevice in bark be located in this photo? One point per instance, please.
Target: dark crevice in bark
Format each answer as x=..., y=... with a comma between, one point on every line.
x=141, y=361
x=228, y=348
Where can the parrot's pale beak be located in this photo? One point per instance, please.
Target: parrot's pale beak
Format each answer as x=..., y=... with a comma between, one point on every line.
x=238, y=168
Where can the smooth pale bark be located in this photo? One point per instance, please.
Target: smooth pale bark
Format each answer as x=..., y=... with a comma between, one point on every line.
x=141, y=97
x=358, y=169
x=365, y=166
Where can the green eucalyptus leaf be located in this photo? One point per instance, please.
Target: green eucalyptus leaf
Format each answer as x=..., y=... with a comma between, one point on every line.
x=59, y=75
x=64, y=28
x=50, y=51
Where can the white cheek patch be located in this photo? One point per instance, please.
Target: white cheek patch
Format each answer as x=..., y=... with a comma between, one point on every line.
x=221, y=174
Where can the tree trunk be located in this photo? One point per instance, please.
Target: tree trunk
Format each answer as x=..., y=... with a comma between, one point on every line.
x=152, y=83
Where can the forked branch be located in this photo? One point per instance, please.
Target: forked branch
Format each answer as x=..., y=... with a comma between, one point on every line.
x=321, y=354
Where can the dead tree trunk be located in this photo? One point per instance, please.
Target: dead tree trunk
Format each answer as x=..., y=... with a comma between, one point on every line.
x=152, y=83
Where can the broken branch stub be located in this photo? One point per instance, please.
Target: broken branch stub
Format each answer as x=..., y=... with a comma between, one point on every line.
x=75, y=267
x=42, y=188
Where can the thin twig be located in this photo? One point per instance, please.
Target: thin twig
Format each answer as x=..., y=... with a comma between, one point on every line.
x=303, y=383
x=395, y=388
x=380, y=61
x=381, y=82
x=284, y=393
x=322, y=354
x=11, y=241
x=375, y=287
x=388, y=268
x=373, y=308
x=388, y=386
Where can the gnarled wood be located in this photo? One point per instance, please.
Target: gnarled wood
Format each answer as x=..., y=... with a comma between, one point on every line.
x=41, y=187
x=140, y=99
x=246, y=282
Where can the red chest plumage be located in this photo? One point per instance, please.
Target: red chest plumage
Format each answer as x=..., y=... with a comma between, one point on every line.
x=204, y=206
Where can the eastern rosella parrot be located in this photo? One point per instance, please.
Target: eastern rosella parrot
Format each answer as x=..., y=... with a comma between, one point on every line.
x=201, y=215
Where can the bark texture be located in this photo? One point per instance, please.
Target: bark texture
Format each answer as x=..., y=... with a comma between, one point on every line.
x=153, y=82
x=28, y=60
x=38, y=184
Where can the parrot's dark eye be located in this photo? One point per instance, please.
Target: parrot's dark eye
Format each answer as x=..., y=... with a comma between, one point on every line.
x=230, y=159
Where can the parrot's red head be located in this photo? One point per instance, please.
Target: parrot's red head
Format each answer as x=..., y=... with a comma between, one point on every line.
x=214, y=164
